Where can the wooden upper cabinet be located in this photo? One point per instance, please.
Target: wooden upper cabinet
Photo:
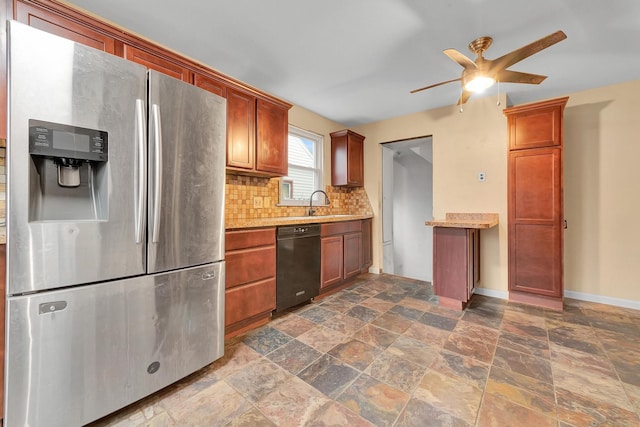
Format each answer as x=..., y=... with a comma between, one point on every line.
x=272, y=138
x=257, y=134
x=347, y=159
x=210, y=84
x=63, y=27
x=157, y=63
x=536, y=127
x=241, y=111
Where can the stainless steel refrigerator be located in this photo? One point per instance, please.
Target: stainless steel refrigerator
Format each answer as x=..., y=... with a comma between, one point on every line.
x=115, y=269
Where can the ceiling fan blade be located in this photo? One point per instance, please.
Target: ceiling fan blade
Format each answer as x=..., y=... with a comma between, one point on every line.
x=508, y=76
x=464, y=97
x=435, y=85
x=460, y=58
x=518, y=55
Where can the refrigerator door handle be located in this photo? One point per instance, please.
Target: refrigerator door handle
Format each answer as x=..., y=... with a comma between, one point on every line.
x=157, y=184
x=140, y=175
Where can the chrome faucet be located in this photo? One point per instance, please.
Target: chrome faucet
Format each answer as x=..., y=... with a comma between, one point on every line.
x=326, y=201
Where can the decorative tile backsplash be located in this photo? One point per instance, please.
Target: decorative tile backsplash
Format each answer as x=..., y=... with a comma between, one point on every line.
x=249, y=197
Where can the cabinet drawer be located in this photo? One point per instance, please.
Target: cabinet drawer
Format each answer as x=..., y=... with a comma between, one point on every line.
x=331, y=228
x=249, y=238
x=250, y=265
x=243, y=302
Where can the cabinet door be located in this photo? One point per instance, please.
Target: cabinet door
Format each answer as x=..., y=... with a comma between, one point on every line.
x=451, y=268
x=210, y=84
x=535, y=221
x=536, y=127
x=157, y=63
x=63, y=27
x=355, y=161
x=241, y=110
x=473, y=239
x=352, y=247
x=331, y=260
x=347, y=162
x=367, y=255
x=272, y=138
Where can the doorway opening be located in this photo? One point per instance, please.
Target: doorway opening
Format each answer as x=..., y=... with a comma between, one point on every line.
x=407, y=202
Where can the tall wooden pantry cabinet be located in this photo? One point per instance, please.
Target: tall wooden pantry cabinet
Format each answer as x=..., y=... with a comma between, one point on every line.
x=535, y=203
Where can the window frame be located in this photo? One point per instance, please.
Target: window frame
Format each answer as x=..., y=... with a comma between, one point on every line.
x=318, y=141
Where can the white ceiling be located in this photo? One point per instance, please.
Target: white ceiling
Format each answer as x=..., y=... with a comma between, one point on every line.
x=355, y=61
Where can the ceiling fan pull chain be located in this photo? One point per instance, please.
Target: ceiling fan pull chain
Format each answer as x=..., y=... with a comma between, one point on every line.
x=461, y=110
x=498, y=103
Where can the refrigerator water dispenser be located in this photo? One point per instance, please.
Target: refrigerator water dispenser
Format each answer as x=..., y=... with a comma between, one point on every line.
x=67, y=174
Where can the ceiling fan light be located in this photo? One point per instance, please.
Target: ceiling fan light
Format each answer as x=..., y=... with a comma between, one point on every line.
x=479, y=84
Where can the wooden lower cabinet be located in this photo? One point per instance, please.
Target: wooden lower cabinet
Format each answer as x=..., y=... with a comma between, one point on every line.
x=332, y=262
x=341, y=254
x=243, y=302
x=456, y=265
x=352, y=243
x=250, y=281
x=367, y=252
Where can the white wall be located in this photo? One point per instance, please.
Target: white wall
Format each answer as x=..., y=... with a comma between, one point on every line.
x=412, y=206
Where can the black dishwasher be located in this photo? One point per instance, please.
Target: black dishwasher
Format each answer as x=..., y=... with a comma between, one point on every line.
x=297, y=264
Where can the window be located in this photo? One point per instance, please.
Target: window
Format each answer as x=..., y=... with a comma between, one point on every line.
x=305, y=168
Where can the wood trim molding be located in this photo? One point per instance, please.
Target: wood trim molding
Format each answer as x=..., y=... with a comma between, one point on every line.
x=123, y=36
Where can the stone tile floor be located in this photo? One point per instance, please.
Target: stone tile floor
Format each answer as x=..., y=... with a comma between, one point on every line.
x=383, y=353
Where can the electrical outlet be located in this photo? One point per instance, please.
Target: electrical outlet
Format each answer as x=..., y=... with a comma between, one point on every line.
x=257, y=202
x=482, y=176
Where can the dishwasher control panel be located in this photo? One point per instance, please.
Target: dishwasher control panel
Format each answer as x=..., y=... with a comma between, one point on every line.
x=289, y=231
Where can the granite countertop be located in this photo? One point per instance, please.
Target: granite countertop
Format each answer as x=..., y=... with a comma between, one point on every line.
x=466, y=220
x=289, y=220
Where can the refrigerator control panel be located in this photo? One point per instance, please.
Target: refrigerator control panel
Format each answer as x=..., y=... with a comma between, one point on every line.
x=64, y=141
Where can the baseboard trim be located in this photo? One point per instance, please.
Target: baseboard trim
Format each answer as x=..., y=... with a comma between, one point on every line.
x=618, y=302
x=491, y=293
x=582, y=296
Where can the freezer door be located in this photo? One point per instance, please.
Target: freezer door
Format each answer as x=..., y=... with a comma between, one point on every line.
x=76, y=355
x=60, y=236
x=187, y=140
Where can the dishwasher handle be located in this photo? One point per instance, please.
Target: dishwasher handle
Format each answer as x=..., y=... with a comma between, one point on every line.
x=298, y=231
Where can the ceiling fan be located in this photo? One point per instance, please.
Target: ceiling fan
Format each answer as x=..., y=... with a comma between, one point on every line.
x=482, y=73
